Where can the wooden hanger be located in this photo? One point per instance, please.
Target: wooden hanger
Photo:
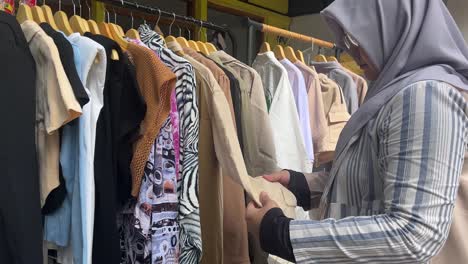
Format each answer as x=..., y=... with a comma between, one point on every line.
x=203, y=48
x=118, y=37
x=279, y=52
x=49, y=17
x=24, y=13
x=62, y=22
x=211, y=47
x=38, y=14
x=77, y=25
x=104, y=29
x=332, y=58
x=192, y=44
x=183, y=42
x=320, y=58
x=300, y=56
x=265, y=47
x=93, y=27
x=290, y=54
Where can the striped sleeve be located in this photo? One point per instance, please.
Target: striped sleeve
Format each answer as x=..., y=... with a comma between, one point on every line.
x=421, y=146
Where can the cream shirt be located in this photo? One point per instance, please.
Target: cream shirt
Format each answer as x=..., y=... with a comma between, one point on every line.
x=55, y=105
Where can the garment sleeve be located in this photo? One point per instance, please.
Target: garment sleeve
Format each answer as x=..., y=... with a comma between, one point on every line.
x=419, y=162
x=349, y=89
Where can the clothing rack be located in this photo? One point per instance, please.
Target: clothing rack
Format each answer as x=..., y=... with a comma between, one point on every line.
x=254, y=25
x=170, y=15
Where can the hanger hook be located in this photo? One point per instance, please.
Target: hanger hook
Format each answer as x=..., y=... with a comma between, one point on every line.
x=107, y=12
x=159, y=17
x=170, y=26
x=131, y=15
x=188, y=30
x=115, y=16
x=180, y=31
x=89, y=9
x=60, y=5
x=74, y=7
x=79, y=2
x=200, y=30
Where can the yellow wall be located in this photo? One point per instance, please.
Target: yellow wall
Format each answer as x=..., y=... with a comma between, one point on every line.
x=280, y=6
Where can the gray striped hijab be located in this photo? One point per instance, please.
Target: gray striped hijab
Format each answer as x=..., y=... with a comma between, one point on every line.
x=409, y=40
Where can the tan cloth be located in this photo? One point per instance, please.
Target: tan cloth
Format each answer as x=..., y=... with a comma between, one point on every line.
x=156, y=82
x=259, y=148
x=228, y=151
x=455, y=249
x=233, y=242
x=361, y=85
x=336, y=115
x=56, y=105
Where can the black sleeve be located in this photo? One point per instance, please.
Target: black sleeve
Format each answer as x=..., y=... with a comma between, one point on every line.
x=274, y=235
x=300, y=188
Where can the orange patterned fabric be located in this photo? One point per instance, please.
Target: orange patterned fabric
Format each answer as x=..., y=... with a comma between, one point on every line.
x=156, y=82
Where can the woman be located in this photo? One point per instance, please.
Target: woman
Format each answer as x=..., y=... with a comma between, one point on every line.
x=390, y=194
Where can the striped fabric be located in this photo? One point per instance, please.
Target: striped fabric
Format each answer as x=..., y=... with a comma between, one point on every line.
x=391, y=193
x=189, y=214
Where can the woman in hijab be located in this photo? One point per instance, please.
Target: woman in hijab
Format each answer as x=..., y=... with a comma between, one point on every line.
x=390, y=194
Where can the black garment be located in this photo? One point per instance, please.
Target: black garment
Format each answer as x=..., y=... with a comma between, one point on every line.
x=119, y=120
x=20, y=212
x=274, y=235
x=67, y=58
x=57, y=196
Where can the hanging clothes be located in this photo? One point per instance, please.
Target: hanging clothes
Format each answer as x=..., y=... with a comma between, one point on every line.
x=296, y=79
x=337, y=73
x=290, y=149
x=361, y=85
x=56, y=104
x=117, y=126
x=156, y=83
x=260, y=153
x=189, y=215
x=20, y=211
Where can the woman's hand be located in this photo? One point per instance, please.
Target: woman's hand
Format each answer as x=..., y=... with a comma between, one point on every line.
x=254, y=214
x=282, y=177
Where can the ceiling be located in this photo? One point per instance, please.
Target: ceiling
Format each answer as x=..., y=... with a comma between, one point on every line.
x=304, y=7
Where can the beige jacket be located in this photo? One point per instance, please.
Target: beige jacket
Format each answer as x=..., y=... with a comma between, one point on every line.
x=336, y=115
x=56, y=105
x=259, y=148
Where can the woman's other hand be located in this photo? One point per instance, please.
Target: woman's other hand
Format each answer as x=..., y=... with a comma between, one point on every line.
x=282, y=177
x=255, y=214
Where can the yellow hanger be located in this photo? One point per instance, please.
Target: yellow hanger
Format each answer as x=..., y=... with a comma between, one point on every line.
x=203, y=48
x=279, y=52
x=320, y=58
x=332, y=58
x=104, y=28
x=192, y=44
x=132, y=33
x=183, y=42
x=265, y=47
x=300, y=56
x=24, y=13
x=62, y=22
x=201, y=45
x=75, y=21
x=91, y=24
x=290, y=54
x=38, y=14
x=49, y=17
x=211, y=47
x=118, y=37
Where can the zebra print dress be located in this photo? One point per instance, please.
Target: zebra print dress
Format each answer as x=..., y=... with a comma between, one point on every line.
x=189, y=214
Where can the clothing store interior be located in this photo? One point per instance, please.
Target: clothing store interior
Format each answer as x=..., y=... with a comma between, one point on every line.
x=233, y=131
